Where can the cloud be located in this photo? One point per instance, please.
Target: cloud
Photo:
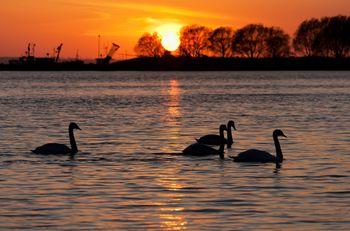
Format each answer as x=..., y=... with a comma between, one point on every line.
x=146, y=7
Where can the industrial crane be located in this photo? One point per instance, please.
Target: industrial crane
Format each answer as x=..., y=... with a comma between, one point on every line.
x=58, y=51
x=109, y=56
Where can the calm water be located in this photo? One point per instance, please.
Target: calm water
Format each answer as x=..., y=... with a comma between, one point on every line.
x=121, y=180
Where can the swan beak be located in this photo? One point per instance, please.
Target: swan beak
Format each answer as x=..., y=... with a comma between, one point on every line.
x=284, y=135
x=79, y=128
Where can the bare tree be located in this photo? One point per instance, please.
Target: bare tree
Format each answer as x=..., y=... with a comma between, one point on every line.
x=221, y=41
x=335, y=36
x=307, y=38
x=149, y=45
x=249, y=41
x=277, y=43
x=194, y=41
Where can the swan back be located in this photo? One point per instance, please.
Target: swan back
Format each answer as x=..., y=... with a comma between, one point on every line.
x=60, y=149
x=254, y=155
x=214, y=139
x=198, y=149
x=52, y=149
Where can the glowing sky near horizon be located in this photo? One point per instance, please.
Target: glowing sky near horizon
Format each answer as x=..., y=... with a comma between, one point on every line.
x=76, y=23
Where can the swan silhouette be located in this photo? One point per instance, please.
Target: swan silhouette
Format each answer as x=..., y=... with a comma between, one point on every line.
x=216, y=139
x=60, y=149
x=199, y=149
x=254, y=155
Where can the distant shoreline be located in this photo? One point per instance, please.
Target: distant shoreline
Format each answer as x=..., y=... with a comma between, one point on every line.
x=197, y=64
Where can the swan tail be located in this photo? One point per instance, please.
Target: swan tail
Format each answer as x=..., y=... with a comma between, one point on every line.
x=234, y=158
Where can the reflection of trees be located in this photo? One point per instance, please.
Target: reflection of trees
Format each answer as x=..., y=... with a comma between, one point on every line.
x=149, y=45
x=194, y=41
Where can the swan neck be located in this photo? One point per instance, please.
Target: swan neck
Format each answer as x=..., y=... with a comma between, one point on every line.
x=221, y=151
x=73, y=144
x=279, y=155
x=229, y=137
x=222, y=136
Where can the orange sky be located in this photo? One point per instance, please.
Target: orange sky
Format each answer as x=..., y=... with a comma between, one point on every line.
x=76, y=23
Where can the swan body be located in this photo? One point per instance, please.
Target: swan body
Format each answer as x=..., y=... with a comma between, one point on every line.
x=216, y=139
x=213, y=140
x=199, y=149
x=52, y=148
x=60, y=149
x=254, y=155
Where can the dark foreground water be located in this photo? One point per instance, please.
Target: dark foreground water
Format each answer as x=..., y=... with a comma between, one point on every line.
x=121, y=180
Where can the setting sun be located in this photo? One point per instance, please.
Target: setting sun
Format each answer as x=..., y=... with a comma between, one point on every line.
x=170, y=36
x=171, y=41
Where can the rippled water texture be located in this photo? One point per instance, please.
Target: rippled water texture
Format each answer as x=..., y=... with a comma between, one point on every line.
x=127, y=175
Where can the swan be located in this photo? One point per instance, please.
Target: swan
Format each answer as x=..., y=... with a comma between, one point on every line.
x=59, y=149
x=216, y=140
x=254, y=155
x=199, y=149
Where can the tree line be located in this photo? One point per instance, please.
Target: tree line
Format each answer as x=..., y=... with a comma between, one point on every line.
x=325, y=37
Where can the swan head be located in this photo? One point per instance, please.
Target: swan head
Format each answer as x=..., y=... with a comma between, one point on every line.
x=223, y=127
x=278, y=132
x=73, y=126
x=231, y=123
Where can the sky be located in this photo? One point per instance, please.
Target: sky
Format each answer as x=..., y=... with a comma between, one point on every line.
x=77, y=23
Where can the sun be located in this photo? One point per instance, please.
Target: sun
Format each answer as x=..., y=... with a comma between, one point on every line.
x=171, y=41
x=170, y=36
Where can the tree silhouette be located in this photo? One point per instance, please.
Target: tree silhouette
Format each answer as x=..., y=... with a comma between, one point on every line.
x=307, y=38
x=149, y=45
x=325, y=37
x=334, y=36
x=221, y=41
x=277, y=43
x=194, y=41
x=249, y=41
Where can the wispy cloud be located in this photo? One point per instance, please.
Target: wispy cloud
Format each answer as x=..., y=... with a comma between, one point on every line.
x=146, y=7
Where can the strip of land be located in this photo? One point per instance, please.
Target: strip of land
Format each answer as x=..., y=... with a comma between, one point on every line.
x=193, y=64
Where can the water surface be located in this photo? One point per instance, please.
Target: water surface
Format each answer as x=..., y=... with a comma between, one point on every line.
x=125, y=176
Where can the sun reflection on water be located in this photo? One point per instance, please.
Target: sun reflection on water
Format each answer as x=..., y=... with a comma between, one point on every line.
x=171, y=216
x=173, y=115
x=173, y=222
x=174, y=99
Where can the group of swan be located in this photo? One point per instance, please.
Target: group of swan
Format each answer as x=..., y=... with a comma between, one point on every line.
x=200, y=148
